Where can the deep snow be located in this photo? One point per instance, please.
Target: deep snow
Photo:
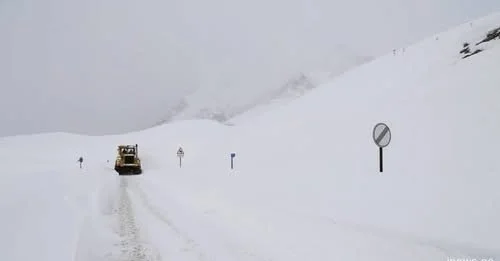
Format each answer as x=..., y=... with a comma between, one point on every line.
x=305, y=186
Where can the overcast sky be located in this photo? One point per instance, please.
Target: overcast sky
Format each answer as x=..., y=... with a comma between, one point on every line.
x=70, y=58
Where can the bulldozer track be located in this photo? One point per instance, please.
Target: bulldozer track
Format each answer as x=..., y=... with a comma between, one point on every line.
x=114, y=232
x=131, y=245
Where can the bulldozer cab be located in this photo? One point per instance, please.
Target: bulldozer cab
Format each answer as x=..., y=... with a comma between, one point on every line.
x=128, y=154
x=127, y=150
x=127, y=160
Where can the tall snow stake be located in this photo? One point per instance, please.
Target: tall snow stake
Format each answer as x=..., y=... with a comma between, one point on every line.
x=232, y=157
x=81, y=161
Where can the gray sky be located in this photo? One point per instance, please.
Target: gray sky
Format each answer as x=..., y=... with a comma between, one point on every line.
x=76, y=61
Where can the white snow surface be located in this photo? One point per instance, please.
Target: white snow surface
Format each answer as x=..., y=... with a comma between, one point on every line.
x=305, y=183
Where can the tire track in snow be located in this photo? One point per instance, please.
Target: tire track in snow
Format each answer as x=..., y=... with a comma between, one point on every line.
x=190, y=244
x=446, y=248
x=230, y=250
x=132, y=248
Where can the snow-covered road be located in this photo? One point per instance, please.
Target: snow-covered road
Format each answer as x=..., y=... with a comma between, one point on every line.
x=146, y=219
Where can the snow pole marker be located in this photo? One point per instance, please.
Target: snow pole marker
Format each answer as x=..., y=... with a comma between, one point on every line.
x=81, y=161
x=180, y=154
x=232, y=157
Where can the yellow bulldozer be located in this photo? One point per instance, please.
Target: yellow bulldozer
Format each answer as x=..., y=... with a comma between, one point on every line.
x=128, y=161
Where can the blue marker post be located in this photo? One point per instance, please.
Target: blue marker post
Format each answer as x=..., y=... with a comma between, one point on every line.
x=232, y=157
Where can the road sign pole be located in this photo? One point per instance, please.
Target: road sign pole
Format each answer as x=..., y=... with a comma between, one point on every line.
x=382, y=138
x=381, y=159
x=232, y=157
x=180, y=154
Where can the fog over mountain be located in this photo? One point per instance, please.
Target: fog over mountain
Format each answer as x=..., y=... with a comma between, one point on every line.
x=67, y=65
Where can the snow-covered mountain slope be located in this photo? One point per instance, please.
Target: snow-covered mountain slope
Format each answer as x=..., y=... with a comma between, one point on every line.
x=305, y=183
x=413, y=63
x=97, y=67
x=223, y=107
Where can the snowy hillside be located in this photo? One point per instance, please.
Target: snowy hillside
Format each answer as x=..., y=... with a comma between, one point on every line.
x=305, y=183
x=224, y=105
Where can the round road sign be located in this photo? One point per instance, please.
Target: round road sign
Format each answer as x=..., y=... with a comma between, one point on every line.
x=381, y=135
